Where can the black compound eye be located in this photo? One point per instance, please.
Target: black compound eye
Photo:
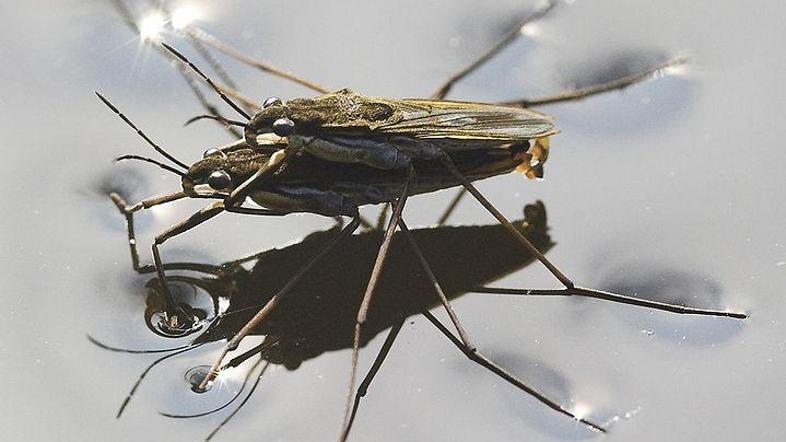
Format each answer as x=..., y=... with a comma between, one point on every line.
x=272, y=101
x=283, y=127
x=219, y=180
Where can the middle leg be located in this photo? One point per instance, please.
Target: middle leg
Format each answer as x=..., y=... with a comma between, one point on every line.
x=376, y=271
x=490, y=365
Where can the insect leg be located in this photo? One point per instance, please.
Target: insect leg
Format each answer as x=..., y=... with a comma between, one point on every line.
x=507, y=39
x=448, y=162
x=376, y=271
x=131, y=22
x=490, y=365
x=185, y=225
x=585, y=92
x=210, y=40
x=226, y=404
x=437, y=287
x=242, y=403
x=276, y=160
x=613, y=297
x=128, y=212
x=274, y=301
x=383, y=352
x=445, y=87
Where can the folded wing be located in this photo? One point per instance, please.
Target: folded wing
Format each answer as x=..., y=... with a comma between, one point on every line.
x=463, y=120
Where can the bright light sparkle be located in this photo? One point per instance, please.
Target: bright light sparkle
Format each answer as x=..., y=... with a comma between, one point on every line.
x=151, y=26
x=230, y=376
x=677, y=70
x=531, y=30
x=223, y=304
x=184, y=16
x=581, y=411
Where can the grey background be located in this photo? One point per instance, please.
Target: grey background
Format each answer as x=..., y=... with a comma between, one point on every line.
x=673, y=187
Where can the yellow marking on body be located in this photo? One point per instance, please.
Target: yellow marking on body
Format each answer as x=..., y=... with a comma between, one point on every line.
x=536, y=155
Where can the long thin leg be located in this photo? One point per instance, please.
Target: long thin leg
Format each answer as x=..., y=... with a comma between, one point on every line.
x=448, y=162
x=273, y=164
x=267, y=212
x=130, y=21
x=574, y=95
x=363, y=388
x=262, y=348
x=613, y=297
x=128, y=212
x=188, y=224
x=437, y=287
x=263, y=66
x=243, y=403
x=488, y=364
x=507, y=39
x=376, y=271
x=585, y=92
x=276, y=299
x=383, y=352
x=180, y=318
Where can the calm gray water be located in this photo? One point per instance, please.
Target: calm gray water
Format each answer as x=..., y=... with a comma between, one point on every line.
x=671, y=189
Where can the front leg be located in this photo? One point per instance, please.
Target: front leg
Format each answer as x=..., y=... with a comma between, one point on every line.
x=180, y=319
x=128, y=212
x=377, y=154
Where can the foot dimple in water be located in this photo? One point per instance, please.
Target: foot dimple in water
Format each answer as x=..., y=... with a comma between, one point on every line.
x=173, y=326
x=195, y=376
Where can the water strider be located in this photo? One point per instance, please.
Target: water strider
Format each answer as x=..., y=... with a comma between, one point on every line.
x=335, y=152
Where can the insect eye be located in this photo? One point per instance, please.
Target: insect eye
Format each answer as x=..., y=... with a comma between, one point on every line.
x=272, y=101
x=212, y=153
x=283, y=127
x=219, y=180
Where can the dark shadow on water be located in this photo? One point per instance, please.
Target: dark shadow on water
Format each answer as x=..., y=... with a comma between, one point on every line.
x=126, y=181
x=642, y=108
x=675, y=286
x=552, y=382
x=319, y=314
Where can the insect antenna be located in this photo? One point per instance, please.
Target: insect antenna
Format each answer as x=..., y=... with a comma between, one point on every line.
x=218, y=118
x=140, y=133
x=150, y=160
x=218, y=90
